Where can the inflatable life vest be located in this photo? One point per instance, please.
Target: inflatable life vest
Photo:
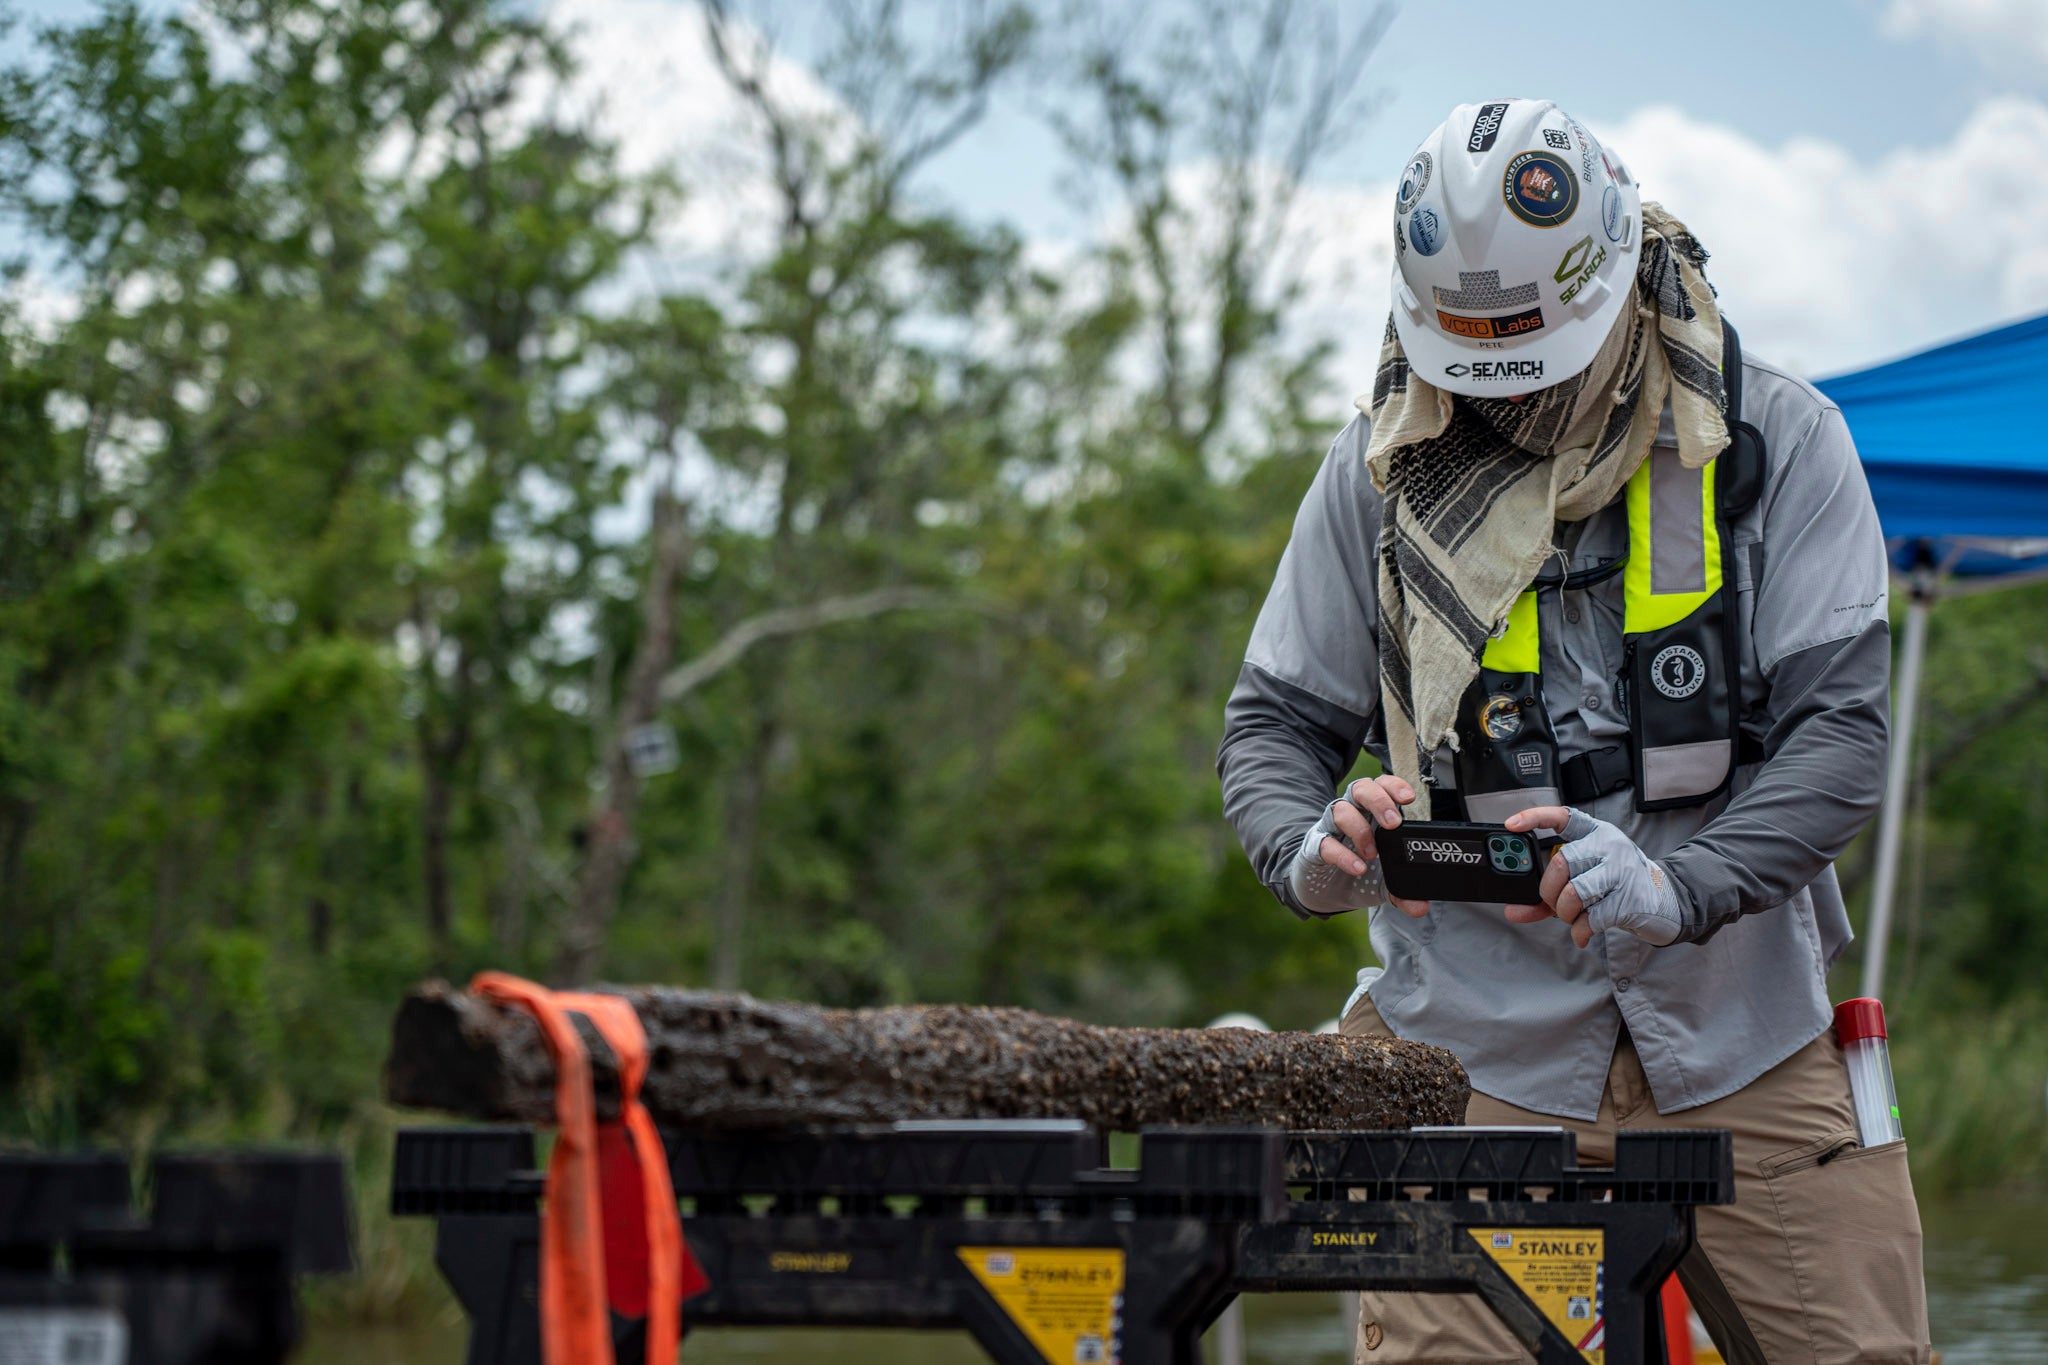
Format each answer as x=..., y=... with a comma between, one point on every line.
x=1680, y=682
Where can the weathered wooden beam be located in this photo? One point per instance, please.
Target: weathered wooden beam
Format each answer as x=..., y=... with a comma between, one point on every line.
x=730, y=1061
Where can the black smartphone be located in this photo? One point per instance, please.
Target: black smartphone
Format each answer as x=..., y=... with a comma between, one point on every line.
x=1448, y=860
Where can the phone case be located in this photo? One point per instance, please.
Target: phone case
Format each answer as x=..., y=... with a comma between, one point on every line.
x=1446, y=860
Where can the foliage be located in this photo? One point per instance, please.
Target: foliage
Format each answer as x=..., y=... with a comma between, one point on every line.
x=1973, y=907
x=1971, y=1092
x=361, y=501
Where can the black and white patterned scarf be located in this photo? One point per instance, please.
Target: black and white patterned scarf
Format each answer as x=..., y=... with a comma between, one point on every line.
x=1474, y=487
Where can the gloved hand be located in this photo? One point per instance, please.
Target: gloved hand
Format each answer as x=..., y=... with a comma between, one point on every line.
x=1599, y=880
x=1336, y=867
x=1324, y=888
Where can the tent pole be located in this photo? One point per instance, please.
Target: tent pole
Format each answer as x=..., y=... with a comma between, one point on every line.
x=1892, y=821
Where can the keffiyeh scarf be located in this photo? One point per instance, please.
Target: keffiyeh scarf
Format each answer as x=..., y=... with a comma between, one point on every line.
x=1473, y=488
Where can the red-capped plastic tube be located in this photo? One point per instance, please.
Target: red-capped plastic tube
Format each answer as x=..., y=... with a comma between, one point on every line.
x=1866, y=1049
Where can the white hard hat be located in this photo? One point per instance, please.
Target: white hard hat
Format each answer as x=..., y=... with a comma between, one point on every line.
x=1515, y=243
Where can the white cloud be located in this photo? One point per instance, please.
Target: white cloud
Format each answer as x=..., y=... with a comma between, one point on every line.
x=1824, y=260
x=1827, y=262
x=646, y=69
x=1337, y=242
x=1348, y=232
x=2007, y=35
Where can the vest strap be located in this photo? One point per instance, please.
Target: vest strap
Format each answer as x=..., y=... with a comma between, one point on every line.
x=1674, y=551
x=1519, y=648
x=1593, y=774
x=1599, y=772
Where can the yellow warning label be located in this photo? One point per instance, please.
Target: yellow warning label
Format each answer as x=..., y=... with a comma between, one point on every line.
x=1564, y=1272
x=1068, y=1300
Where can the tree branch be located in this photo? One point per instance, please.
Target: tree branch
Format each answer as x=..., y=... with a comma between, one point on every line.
x=784, y=621
x=791, y=179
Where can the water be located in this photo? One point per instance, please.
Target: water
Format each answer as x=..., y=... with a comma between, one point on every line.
x=1987, y=1292
x=1987, y=1279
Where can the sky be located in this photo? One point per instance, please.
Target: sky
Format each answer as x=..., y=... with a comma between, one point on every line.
x=1871, y=176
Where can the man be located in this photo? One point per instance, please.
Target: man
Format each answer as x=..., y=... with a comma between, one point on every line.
x=1548, y=579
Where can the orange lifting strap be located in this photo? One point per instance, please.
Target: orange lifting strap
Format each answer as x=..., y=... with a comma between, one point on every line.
x=609, y=1202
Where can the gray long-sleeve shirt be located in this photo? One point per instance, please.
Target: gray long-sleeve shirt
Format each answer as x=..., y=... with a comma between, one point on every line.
x=1534, y=1019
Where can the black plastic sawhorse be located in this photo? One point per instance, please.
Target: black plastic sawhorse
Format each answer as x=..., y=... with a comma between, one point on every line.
x=1021, y=1234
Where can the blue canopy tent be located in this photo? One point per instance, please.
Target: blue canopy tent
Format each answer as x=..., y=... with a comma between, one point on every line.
x=1955, y=443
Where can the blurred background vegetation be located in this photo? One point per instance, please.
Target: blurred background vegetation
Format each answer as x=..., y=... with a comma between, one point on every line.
x=371, y=510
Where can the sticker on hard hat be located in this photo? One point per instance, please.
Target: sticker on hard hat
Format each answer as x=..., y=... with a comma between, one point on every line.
x=1540, y=189
x=1514, y=325
x=1578, y=265
x=1497, y=369
x=1486, y=128
x=1425, y=232
x=1414, y=181
x=1610, y=213
x=1585, y=149
x=1481, y=292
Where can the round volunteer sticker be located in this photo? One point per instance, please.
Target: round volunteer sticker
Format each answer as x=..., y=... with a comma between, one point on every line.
x=1540, y=188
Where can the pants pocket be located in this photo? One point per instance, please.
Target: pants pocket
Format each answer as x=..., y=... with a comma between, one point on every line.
x=1853, y=1232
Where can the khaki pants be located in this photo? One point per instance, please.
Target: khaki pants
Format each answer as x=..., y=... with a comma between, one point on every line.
x=1817, y=1261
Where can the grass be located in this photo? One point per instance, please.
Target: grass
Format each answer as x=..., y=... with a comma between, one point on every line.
x=395, y=1280
x=1973, y=1093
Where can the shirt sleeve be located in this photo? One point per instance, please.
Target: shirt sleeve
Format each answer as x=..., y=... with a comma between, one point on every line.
x=1283, y=753
x=1307, y=697
x=1824, y=647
